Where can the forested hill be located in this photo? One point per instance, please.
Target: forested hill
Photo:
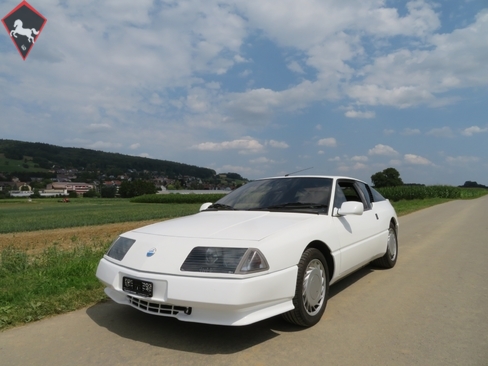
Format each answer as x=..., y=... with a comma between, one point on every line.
x=48, y=156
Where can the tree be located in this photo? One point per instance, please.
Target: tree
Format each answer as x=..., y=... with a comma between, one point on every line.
x=136, y=188
x=90, y=194
x=109, y=191
x=390, y=177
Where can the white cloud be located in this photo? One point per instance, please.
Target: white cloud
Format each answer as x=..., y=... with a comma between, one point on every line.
x=470, y=131
x=262, y=160
x=328, y=142
x=135, y=146
x=445, y=132
x=359, y=114
x=416, y=160
x=239, y=59
x=362, y=159
x=97, y=127
x=409, y=77
x=384, y=150
x=410, y=131
x=277, y=144
x=461, y=160
x=245, y=144
x=295, y=67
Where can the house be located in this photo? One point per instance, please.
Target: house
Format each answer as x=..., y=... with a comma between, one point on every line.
x=78, y=187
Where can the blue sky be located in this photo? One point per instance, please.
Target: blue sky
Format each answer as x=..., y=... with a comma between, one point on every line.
x=260, y=88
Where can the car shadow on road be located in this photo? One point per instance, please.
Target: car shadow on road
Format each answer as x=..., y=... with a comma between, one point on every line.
x=173, y=334
x=205, y=339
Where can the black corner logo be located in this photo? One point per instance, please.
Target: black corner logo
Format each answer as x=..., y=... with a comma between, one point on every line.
x=24, y=25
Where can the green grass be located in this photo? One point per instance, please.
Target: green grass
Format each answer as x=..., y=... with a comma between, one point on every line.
x=54, y=282
x=405, y=207
x=45, y=214
x=11, y=165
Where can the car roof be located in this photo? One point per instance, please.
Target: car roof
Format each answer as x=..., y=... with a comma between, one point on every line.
x=336, y=177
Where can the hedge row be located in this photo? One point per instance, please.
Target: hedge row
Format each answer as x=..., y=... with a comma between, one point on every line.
x=178, y=198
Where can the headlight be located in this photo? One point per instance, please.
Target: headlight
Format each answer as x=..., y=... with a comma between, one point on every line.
x=225, y=260
x=120, y=247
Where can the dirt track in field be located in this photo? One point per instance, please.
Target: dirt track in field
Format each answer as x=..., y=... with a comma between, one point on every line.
x=36, y=241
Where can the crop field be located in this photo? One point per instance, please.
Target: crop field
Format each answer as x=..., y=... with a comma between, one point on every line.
x=45, y=214
x=426, y=192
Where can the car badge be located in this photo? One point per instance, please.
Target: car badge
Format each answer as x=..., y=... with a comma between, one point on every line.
x=151, y=252
x=24, y=25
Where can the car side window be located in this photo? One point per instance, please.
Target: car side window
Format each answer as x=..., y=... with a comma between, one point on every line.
x=350, y=192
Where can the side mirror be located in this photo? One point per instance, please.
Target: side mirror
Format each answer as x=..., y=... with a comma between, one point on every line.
x=205, y=206
x=351, y=208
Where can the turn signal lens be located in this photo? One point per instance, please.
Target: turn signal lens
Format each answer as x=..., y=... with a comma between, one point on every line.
x=253, y=261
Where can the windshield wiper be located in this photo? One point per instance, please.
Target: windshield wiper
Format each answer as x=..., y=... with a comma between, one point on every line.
x=293, y=205
x=220, y=206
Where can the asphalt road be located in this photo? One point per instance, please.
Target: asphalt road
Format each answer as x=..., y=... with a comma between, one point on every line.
x=431, y=309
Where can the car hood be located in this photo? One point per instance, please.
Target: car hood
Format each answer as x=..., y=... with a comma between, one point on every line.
x=230, y=225
x=163, y=247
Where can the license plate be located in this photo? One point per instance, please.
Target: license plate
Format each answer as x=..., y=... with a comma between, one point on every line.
x=137, y=287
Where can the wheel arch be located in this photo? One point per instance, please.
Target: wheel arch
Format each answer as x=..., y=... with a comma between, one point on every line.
x=325, y=250
x=394, y=221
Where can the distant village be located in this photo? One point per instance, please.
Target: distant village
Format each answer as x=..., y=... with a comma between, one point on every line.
x=66, y=184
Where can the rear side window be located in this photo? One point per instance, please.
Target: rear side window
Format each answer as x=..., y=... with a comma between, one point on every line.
x=377, y=197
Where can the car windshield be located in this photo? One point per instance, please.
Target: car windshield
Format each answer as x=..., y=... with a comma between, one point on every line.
x=308, y=194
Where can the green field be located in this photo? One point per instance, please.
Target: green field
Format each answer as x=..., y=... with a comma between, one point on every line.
x=44, y=214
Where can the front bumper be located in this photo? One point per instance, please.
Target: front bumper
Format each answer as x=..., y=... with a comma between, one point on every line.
x=222, y=301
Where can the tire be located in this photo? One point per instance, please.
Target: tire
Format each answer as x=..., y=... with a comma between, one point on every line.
x=390, y=258
x=312, y=289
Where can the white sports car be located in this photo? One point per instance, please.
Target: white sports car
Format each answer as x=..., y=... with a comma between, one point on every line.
x=272, y=246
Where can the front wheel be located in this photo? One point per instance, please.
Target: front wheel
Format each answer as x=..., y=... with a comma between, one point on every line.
x=390, y=258
x=312, y=289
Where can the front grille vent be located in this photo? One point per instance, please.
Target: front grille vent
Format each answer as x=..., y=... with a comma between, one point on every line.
x=156, y=308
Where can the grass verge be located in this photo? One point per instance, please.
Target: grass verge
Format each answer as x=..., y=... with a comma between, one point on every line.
x=405, y=207
x=54, y=282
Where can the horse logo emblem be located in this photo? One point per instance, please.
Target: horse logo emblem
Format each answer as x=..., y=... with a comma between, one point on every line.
x=24, y=24
x=22, y=31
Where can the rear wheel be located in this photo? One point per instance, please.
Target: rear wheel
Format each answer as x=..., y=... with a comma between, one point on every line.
x=312, y=289
x=391, y=255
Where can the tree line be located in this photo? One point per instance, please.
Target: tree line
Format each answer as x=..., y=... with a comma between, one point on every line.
x=48, y=156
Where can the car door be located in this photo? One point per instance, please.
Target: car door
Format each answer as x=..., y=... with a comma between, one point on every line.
x=359, y=235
